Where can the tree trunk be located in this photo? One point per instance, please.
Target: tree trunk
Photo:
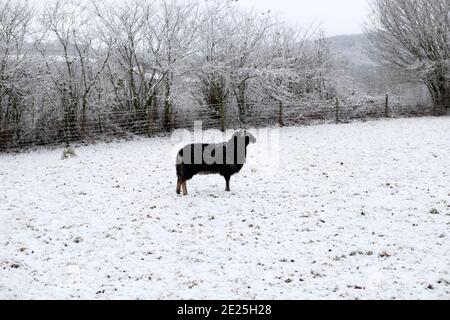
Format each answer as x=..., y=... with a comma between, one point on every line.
x=134, y=96
x=280, y=114
x=71, y=123
x=168, y=107
x=440, y=94
x=337, y=111
x=84, y=116
x=242, y=101
x=222, y=117
x=148, y=115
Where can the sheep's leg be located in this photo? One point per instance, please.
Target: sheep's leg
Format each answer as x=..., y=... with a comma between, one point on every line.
x=185, y=192
x=227, y=180
x=179, y=186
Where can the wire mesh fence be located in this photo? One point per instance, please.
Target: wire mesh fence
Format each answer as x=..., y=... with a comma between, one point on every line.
x=124, y=124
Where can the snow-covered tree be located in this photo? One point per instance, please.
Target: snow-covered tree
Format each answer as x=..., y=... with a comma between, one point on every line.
x=211, y=64
x=414, y=35
x=132, y=72
x=248, y=56
x=74, y=58
x=107, y=65
x=15, y=66
x=174, y=31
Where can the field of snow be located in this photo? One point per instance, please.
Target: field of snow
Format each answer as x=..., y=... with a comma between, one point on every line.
x=355, y=211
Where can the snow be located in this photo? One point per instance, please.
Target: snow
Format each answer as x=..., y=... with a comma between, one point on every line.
x=355, y=211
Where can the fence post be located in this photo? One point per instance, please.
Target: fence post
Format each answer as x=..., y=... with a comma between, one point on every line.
x=386, y=106
x=280, y=115
x=337, y=110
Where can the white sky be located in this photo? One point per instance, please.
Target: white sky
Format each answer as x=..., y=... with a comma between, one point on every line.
x=335, y=16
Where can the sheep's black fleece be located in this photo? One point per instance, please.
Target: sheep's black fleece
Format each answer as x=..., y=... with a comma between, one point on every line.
x=225, y=159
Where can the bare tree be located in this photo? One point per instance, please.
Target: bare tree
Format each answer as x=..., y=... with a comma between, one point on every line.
x=212, y=64
x=248, y=55
x=77, y=62
x=294, y=65
x=414, y=35
x=126, y=30
x=118, y=66
x=15, y=25
x=174, y=30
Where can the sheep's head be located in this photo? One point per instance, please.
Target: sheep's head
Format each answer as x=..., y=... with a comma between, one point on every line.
x=244, y=135
x=249, y=138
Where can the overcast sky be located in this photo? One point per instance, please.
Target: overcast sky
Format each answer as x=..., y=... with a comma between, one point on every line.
x=336, y=16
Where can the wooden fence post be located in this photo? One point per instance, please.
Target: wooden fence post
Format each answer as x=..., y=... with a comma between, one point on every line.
x=337, y=110
x=386, y=106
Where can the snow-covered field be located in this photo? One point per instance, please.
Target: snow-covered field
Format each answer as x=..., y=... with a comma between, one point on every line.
x=355, y=211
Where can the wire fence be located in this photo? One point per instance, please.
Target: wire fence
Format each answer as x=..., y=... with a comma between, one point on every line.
x=120, y=124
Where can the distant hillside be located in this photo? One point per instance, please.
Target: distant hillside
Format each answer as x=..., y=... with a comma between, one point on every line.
x=355, y=73
x=350, y=48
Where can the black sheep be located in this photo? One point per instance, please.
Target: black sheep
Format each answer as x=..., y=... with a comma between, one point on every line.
x=225, y=159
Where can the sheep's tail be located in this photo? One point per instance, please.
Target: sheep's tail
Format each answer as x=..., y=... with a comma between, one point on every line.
x=179, y=166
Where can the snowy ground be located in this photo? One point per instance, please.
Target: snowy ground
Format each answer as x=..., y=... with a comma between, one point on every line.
x=354, y=211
